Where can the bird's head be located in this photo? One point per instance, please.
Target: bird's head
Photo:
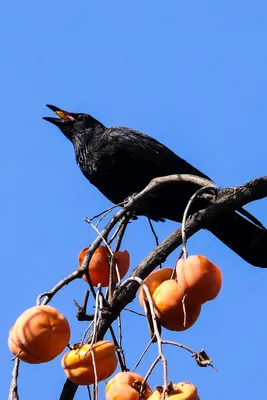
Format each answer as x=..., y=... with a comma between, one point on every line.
x=73, y=125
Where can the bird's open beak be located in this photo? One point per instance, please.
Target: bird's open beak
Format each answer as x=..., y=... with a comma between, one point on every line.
x=62, y=114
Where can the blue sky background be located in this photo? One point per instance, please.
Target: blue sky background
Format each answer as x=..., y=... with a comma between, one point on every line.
x=191, y=74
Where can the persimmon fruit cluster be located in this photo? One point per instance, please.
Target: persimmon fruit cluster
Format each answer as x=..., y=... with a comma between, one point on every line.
x=178, y=299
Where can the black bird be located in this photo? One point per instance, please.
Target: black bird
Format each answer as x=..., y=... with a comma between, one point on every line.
x=121, y=161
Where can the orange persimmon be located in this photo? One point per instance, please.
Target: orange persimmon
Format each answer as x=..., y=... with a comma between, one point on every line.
x=99, y=265
x=126, y=386
x=78, y=363
x=173, y=308
x=177, y=391
x=153, y=280
x=40, y=334
x=199, y=278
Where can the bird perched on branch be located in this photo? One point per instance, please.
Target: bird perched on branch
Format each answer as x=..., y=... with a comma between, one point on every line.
x=121, y=162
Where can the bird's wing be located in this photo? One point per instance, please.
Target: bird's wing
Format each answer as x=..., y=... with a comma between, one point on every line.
x=150, y=152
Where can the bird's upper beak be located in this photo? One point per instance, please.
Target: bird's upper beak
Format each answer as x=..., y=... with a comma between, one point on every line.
x=63, y=115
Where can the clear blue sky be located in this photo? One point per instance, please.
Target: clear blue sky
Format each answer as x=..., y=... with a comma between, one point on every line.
x=191, y=74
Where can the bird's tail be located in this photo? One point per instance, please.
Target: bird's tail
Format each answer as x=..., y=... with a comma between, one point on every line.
x=245, y=238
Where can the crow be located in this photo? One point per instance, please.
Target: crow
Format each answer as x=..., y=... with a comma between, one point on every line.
x=121, y=161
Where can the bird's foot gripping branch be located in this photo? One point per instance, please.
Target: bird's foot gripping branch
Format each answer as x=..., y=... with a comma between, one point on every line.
x=171, y=298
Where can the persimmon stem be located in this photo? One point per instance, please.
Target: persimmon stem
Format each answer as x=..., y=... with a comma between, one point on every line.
x=13, y=391
x=95, y=389
x=86, y=331
x=184, y=310
x=206, y=188
x=99, y=235
x=97, y=313
x=193, y=352
x=112, y=263
x=156, y=331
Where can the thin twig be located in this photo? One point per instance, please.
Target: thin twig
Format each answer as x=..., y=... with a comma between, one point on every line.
x=13, y=390
x=193, y=352
x=108, y=210
x=151, y=369
x=134, y=312
x=115, y=234
x=89, y=392
x=120, y=331
x=113, y=263
x=251, y=218
x=142, y=355
x=82, y=316
x=86, y=331
x=153, y=231
x=51, y=293
x=112, y=281
x=120, y=339
x=119, y=351
x=197, y=356
x=82, y=309
x=154, y=234
x=101, y=218
x=124, y=224
x=99, y=235
x=96, y=313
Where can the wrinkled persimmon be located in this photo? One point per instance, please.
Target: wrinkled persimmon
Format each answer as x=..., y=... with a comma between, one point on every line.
x=126, y=386
x=99, y=267
x=177, y=391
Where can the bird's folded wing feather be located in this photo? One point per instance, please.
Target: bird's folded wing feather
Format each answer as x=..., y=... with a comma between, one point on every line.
x=150, y=151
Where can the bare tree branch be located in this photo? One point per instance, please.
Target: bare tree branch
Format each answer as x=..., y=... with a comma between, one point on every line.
x=229, y=199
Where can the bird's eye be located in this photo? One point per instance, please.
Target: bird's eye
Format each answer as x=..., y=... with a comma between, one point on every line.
x=80, y=116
